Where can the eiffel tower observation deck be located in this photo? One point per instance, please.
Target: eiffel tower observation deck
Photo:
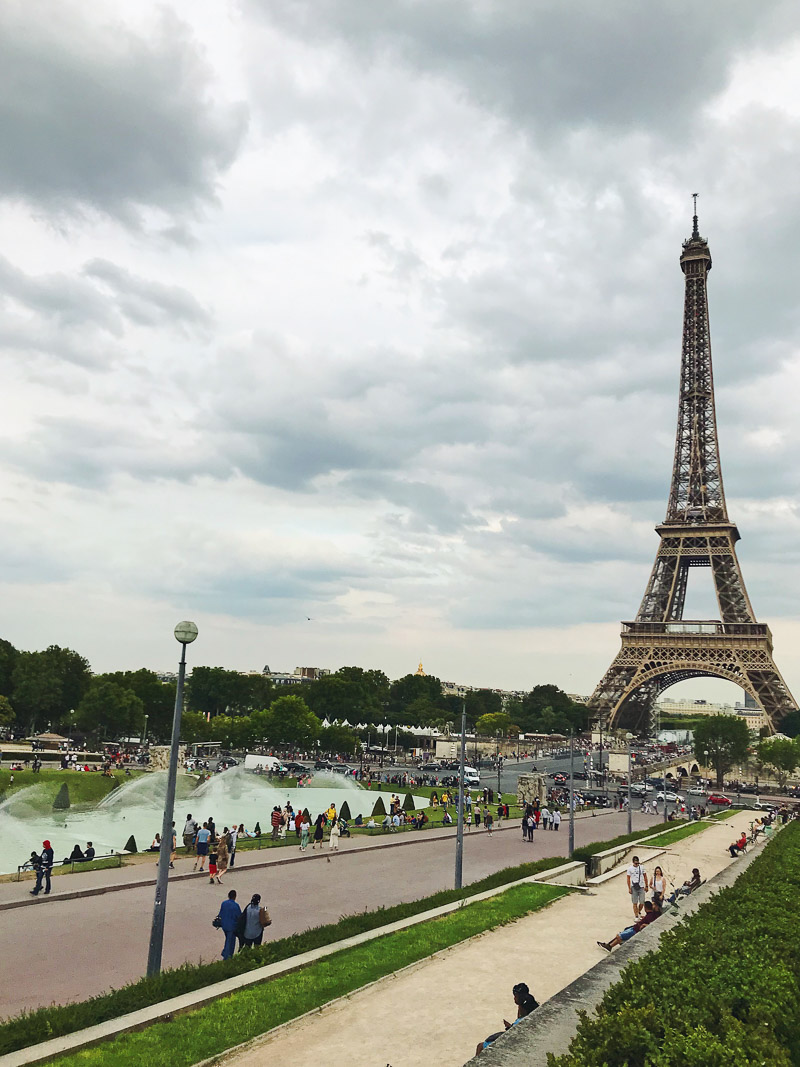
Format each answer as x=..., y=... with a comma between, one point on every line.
x=660, y=647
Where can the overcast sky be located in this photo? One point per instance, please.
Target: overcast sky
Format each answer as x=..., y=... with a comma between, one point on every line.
x=351, y=330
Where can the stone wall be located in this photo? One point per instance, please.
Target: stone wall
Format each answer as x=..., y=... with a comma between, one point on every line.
x=531, y=787
x=159, y=757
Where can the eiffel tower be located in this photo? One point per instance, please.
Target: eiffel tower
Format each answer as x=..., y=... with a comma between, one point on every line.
x=661, y=647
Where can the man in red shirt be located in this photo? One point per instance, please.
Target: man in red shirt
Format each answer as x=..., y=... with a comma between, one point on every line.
x=650, y=915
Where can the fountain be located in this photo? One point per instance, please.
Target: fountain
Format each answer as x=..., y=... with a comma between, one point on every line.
x=135, y=808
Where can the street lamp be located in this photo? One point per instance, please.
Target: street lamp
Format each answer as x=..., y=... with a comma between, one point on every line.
x=185, y=633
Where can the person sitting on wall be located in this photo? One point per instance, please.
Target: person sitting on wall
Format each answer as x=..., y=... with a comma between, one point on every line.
x=688, y=887
x=651, y=913
x=526, y=1003
x=76, y=856
x=736, y=847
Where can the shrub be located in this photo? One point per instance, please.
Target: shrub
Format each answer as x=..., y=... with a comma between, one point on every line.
x=62, y=798
x=345, y=812
x=408, y=803
x=379, y=809
x=722, y=989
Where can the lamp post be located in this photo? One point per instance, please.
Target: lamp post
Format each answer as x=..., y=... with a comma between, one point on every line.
x=144, y=730
x=630, y=813
x=460, y=812
x=571, y=794
x=185, y=633
x=497, y=758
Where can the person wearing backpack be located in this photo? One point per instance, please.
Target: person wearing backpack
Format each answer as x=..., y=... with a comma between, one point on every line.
x=252, y=922
x=228, y=920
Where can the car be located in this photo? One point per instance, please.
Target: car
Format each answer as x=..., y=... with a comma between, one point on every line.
x=697, y=791
x=638, y=790
x=226, y=762
x=323, y=765
x=295, y=768
x=432, y=766
x=341, y=768
x=672, y=797
x=599, y=800
x=718, y=800
x=449, y=779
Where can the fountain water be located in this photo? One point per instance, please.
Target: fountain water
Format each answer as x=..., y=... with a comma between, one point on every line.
x=234, y=796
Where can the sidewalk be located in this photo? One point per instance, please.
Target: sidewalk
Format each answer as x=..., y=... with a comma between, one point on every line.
x=440, y=1009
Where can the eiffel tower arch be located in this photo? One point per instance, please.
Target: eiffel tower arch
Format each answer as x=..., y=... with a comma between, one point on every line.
x=660, y=647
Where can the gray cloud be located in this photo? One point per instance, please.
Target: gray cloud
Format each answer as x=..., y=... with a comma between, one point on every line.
x=96, y=117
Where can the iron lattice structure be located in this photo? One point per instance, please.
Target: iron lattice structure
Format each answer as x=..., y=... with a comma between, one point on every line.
x=661, y=648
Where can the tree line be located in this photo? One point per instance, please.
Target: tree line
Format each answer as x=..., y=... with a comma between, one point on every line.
x=56, y=689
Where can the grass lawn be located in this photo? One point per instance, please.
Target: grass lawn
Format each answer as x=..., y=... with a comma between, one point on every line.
x=85, y=787
x=208, y=1031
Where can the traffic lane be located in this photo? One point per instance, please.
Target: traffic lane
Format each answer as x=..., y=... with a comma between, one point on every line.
x=106, y=937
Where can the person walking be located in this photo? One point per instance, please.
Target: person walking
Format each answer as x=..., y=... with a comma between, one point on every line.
x=305, y=826
x=252, y=922
x=469, y=820
x=546, y=817
x=189, y=830
x=319, y=832
x=222, y=857
x=637, y=885
x=556, y=819
x=489, y=820
x=229, y=915
x=478, y=816
x=43, y=870
x=333, y=843
x=203, y=837
x=233, y=837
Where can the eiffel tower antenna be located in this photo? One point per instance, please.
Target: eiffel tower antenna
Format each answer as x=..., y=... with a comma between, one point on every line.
x=660, y=647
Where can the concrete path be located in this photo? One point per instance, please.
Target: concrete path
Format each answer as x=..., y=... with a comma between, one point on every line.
x=437, y=1011
x=105, y=937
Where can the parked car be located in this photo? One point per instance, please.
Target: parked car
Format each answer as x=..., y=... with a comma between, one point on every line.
x=323, y=765
x=296, y=768
x=671, y=797
x=718, y=800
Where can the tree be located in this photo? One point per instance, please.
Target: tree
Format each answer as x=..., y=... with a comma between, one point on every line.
x=291, y=722
x=495, y=723
x=548, y=709
x=109, y=709
x=411, y=687
x=48, y=685
x=6, y=712
x=194, y=728
x=782, y=755
x=720, y=742
x=216, y=690
x=791, y=724
x=8, y=661
x=338, y=739
x=157, y=697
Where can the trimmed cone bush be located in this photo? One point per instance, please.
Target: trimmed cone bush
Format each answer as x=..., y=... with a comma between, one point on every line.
x=130, y=844
x=345, y=812
x=379, y=809
x=61, y=803
x=408, y=803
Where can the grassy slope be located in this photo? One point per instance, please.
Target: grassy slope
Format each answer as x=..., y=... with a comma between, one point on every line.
x=250, y=1012
x=84, y=787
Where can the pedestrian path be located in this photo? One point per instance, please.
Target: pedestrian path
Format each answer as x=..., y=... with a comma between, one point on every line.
x=437, y=1011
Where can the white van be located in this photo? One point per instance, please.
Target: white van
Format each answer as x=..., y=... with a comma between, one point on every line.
x=254, y=762
x=471, y=777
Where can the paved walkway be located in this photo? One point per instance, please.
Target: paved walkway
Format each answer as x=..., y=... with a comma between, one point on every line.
x=105, y=938
x=437, y=1011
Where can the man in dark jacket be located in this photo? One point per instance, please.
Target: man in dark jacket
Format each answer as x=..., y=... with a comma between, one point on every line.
x=229, y=915
x=45, y=867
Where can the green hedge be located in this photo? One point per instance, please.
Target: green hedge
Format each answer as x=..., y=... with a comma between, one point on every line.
x=31, y=1027
x=723, y=988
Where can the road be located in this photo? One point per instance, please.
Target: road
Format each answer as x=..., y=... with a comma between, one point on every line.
x=72, y=949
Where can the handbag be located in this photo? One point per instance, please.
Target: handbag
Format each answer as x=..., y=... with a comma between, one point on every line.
x=263, y=917
x=216, y=922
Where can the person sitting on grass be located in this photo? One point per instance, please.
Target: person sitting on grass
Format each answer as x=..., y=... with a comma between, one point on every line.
x=526, y=1003
x=447, y=819
x=651, y=913
x=736, y=847
x=688, y=887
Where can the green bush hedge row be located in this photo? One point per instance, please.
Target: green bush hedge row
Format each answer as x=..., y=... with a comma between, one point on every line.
x=32, y=1027
x=723, y=988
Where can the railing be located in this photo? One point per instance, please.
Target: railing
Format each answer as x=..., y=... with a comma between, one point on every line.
x=705, y=628
x=81, y=865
